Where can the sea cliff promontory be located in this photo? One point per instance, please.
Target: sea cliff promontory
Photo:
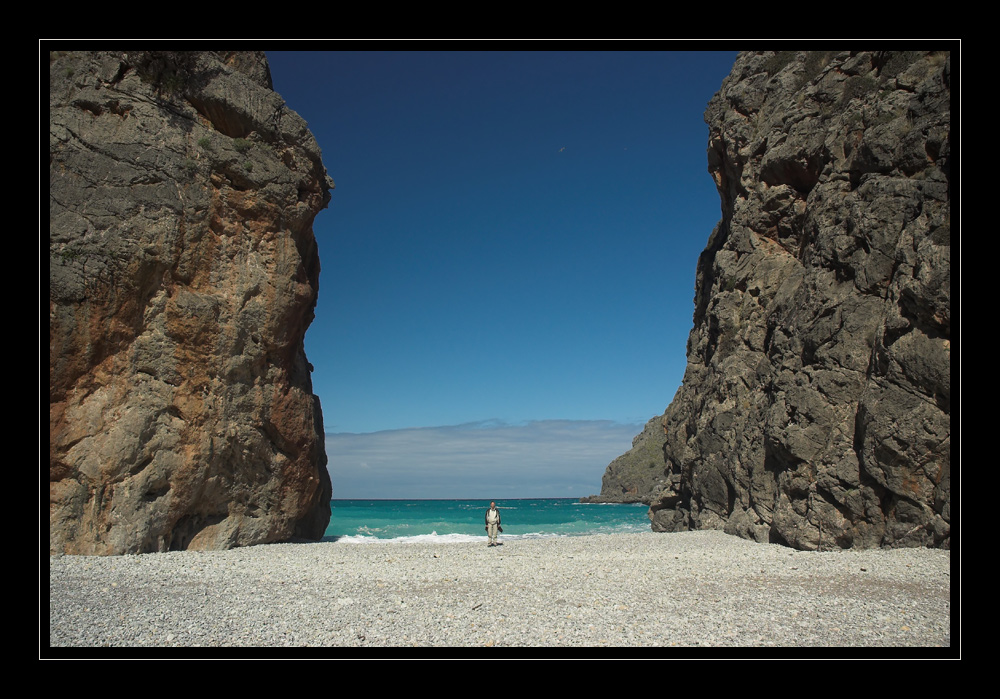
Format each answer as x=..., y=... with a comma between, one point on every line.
x=183, y=274
x=815, y=410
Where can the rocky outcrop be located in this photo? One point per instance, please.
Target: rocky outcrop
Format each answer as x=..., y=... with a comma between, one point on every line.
x=815, y=408
x=183, y=274
x=638, y=474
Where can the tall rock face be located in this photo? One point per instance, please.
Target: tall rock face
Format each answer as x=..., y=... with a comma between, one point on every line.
x=815, y=408
x=183, y=273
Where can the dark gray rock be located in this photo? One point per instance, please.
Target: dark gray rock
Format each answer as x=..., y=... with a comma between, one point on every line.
x=815, y=409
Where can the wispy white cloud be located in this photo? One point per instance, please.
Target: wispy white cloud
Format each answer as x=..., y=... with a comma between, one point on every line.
x=546, y=458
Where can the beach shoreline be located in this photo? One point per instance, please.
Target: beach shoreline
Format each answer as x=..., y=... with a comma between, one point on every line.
x=642, y=590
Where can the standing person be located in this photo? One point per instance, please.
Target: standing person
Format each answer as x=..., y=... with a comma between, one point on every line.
x=493, y=523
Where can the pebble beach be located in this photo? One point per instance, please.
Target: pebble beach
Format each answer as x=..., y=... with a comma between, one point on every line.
x=641, y=590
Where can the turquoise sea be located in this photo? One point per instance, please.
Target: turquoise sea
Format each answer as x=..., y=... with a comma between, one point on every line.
x=462, y=520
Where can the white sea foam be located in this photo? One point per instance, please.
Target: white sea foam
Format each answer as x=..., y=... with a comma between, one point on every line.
x=434, y=537
x=455, y=520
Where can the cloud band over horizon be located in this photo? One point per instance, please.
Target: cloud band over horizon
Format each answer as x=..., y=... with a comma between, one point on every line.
x=490, y=459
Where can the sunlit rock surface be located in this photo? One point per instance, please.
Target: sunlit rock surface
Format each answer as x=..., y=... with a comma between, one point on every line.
x=183, y=274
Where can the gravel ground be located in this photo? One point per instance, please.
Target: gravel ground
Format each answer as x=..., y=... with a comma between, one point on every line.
x=624, y=590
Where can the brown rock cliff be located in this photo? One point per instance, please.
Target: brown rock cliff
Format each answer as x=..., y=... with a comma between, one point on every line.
x=183, y=274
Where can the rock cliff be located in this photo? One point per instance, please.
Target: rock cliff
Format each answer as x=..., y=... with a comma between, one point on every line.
x=815, y=408
x=183, y=274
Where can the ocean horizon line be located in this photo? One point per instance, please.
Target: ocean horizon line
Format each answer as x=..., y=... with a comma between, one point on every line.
x=462, y=518
x=456, y=499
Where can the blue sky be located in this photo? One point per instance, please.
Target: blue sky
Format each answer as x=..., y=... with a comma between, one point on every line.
x=508, y=259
